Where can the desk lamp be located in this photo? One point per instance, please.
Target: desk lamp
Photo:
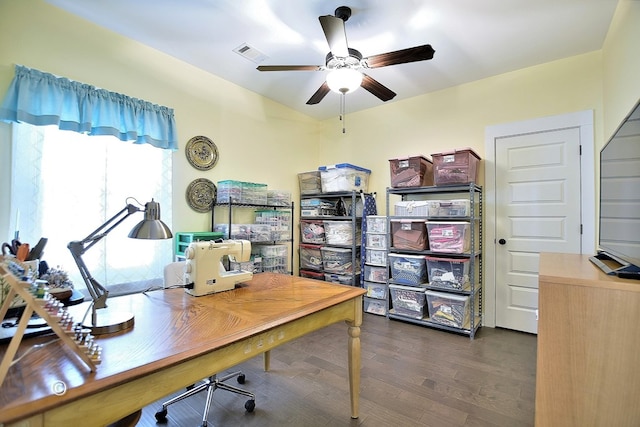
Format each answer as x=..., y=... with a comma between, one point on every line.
x=151, y=227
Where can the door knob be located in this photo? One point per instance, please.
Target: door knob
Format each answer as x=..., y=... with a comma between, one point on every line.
x=502, y=241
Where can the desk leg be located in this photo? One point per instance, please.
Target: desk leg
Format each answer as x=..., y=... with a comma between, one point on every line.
x=354, y=359
x=267, y=360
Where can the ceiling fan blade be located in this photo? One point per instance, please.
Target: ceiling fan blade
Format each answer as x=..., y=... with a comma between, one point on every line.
x=319, y=95
x=412, y=54
x=290, y=68
x=335, y=34
x=376, y=88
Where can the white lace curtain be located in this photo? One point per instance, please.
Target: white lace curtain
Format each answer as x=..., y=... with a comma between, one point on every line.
x=66, y=184
x=70, y=172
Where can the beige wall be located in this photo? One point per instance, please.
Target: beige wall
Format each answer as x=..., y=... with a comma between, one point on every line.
x=262, y=141
x=605, y=81
x=621, y=64
x=258, y=140
x=457, y=117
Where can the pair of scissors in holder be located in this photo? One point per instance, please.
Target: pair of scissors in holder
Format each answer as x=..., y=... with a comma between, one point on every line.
x=12, y=248
x=19, y=250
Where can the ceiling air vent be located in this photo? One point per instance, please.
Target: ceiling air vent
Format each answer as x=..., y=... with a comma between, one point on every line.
x=250, y=53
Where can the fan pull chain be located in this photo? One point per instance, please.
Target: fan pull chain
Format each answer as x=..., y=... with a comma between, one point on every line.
x=343, y=112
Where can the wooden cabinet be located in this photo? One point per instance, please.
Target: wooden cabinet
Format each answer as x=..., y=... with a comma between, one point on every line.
x=588, y=345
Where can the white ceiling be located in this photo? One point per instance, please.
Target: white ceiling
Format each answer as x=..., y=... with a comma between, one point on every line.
x=473, y=39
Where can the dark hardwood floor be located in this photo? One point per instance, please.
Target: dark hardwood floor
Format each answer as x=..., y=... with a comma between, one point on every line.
x=411, y=376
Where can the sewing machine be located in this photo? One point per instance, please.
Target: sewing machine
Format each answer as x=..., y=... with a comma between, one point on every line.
x=204, y=271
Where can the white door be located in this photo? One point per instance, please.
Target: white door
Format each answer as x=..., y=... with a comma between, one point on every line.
x=540, y=197
x=537, y=210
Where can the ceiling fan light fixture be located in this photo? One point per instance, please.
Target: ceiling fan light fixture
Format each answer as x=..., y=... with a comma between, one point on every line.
x=344, y=80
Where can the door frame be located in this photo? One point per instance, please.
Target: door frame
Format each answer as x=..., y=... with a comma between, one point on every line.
x=580, y=119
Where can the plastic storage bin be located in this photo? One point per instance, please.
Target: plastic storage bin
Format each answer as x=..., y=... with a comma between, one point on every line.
x=344, y=177
x=340, y=232
x=458, y=166
x=375, y=306
x=449, y=237
x=254, y=193
x=416, y=171
x=241, y=192
x=274, y=264
x=376, y=256
x=409, y=234
x=412, y=208
x=312, y=231
x=408, y=269
x=310, y=257
x=238, y=231
x=314, y=201
x=448, y=273
x=258, y=232
x=317, y=211
x=246, y=266
x=376, y=241
x=448, y=309
x=278, y=198
x=317, y=207
x=278, y=221
x=374, y=273
x=251, y=232
x=274, y=258
x=458, y=208
x=376, y=224
x=376, y=290
x=342, y=279
x=273, y=217
x=310, y=182
x=338, y=260
x=274, y=250
x=408, y=301
x=229, y=190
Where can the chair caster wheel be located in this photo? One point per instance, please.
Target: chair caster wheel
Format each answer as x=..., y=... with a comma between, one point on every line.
x=250, y=405
x=161, y=416
x=241, y=379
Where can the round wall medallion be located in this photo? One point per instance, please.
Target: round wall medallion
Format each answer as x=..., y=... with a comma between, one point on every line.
x=201, y=153
x=201, y=195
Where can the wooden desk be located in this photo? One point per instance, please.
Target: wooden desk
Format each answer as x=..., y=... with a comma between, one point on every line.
x=177, y=340
x=588, y=345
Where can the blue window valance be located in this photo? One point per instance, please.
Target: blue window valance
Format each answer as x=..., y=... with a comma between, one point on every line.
x=42, y=99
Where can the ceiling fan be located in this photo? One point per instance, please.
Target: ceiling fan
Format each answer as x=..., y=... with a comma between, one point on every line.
x=345, y=64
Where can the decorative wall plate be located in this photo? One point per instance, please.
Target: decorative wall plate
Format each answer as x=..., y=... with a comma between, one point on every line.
x=201, y=153
x=201, y=194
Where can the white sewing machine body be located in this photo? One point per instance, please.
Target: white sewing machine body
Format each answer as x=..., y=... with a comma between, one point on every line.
x=204, y=269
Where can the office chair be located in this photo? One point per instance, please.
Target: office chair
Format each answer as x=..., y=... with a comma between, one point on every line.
x=173, y=276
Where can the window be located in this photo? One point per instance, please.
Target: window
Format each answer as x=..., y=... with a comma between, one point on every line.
x=66, y=184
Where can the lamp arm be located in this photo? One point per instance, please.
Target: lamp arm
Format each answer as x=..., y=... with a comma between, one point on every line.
x=98, y=292
x=97, y=234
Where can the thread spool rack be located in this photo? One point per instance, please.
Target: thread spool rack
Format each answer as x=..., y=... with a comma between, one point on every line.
x=54, y=314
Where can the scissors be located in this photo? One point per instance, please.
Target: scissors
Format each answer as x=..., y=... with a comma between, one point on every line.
x=19, y=250
x=12, y=248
